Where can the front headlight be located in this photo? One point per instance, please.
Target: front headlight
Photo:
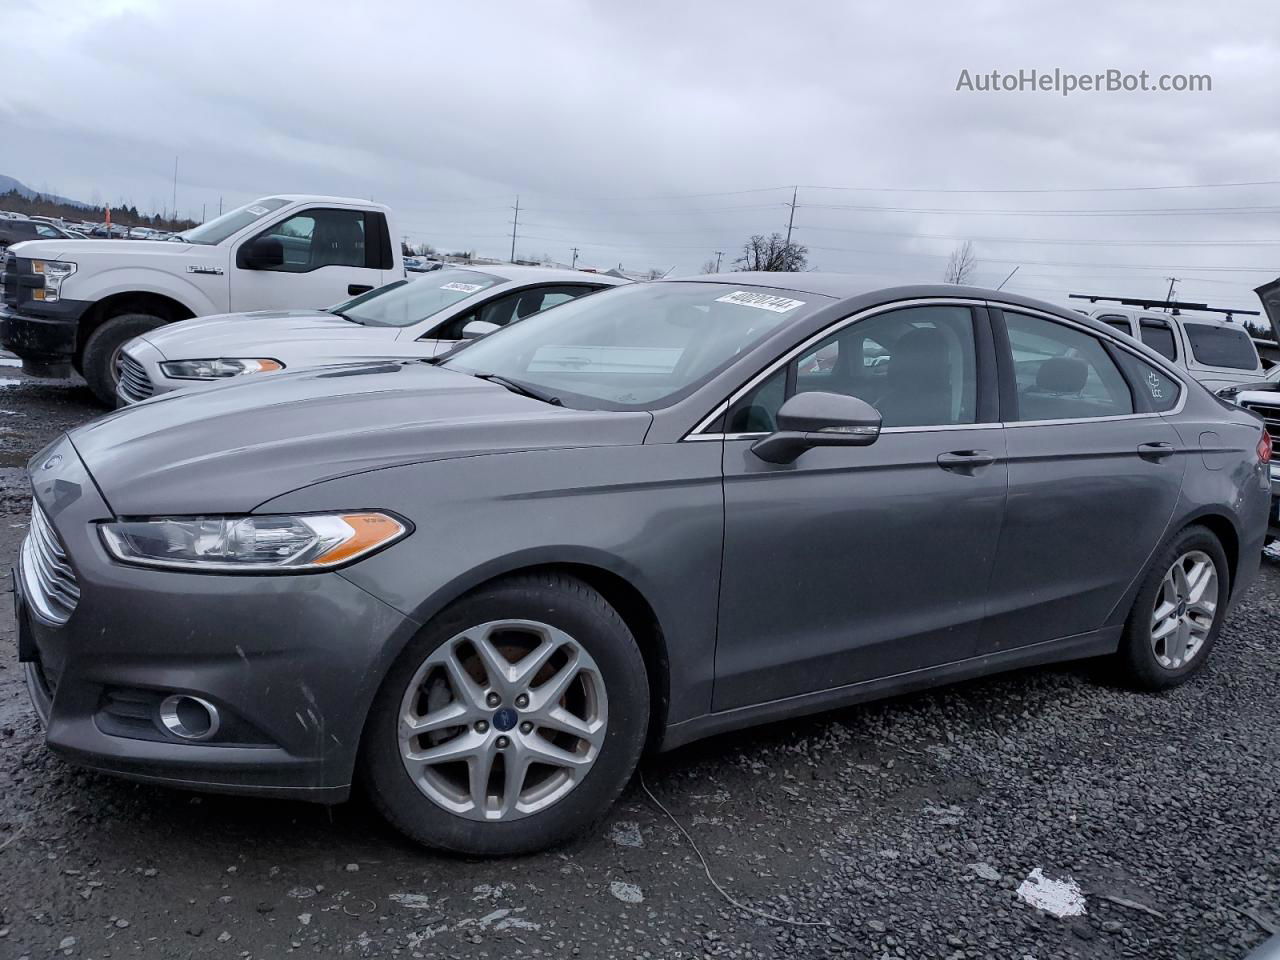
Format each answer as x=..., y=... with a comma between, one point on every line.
x=257, y=544
x=54, y=272
x=217, y=369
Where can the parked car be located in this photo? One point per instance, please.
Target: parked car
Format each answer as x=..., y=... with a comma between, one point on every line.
x=484, y=585
x=17, y=231
x=1215, y=351
x=418, y=318
x=65, y=308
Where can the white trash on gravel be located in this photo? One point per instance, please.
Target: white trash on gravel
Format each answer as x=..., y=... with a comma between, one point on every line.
x=626, y=892
x=1061, y=898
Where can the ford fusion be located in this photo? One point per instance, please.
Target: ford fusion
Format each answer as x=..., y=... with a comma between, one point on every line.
x=484, y=584
x=404, y=319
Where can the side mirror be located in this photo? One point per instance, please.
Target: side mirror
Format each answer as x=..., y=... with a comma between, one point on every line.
x=261, y=253
x=818, y=420
x=478, y=328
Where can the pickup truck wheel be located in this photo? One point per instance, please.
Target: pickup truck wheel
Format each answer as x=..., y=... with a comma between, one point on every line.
x=100, y=363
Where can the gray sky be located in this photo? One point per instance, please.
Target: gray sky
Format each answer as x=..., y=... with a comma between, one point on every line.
x=628, y=129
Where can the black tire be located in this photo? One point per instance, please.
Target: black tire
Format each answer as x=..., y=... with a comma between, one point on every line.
x=97, y=363
x=1136, y=659
x=560, y=601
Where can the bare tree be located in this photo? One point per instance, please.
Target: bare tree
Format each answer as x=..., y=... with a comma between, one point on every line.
x=772, y=253
x=961, y=264
x=709, y=267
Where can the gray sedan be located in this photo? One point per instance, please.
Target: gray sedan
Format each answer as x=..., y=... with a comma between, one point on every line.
x=485, y=584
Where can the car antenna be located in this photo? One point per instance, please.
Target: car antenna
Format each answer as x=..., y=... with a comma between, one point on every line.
x=1173, y=306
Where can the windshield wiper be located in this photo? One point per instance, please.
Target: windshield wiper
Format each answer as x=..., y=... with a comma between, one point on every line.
x=347, y=317
x=521, y=388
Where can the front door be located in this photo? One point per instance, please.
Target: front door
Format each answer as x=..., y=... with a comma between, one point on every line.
x=311, y=259
x=861, y=562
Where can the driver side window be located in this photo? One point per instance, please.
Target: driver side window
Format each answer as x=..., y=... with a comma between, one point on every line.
x=916, y=366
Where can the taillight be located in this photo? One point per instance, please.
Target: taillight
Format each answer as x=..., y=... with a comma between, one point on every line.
x=1264, y=447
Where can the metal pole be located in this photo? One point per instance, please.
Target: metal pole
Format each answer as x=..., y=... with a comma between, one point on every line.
x=575, y=258
x=791, y=219
x=175, y=187
x=719, y=254
x=515, y=223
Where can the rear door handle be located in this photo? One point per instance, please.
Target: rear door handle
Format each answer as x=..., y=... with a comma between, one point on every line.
x=965, y=461
x=1155, y=451
x=355, y=289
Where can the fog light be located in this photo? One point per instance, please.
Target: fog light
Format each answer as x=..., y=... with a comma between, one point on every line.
x=190, y=718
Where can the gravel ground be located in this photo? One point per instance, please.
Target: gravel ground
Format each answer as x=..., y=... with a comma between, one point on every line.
x=901, y=829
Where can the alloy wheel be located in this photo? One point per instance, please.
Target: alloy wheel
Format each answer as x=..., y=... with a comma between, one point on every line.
x=502, y=720
x=1185, y=609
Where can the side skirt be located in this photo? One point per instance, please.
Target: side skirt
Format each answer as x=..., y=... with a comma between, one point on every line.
x=1097, y=643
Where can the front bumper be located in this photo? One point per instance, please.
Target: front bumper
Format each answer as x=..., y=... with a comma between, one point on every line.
x=45, y=336
x=290, y=662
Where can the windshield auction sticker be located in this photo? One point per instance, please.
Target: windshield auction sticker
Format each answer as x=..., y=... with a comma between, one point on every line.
x=462, y=287
x=761, y=301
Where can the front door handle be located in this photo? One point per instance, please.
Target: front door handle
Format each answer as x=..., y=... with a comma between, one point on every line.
x=965, y=461
x=355, y=289
x=1155, y=451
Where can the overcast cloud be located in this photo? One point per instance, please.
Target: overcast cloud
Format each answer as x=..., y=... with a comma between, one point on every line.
x=605, y=118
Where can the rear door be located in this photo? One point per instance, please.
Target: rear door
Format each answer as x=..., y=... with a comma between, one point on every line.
x=1094, y=476
x=312, y=258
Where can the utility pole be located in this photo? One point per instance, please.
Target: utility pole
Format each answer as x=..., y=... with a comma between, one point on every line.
x=202, y=209
x=514, y=224
x=719, y=254
x=575, y=258
x=1169, y=296
x=791, y=219
x=219, y=206
x=175, y=186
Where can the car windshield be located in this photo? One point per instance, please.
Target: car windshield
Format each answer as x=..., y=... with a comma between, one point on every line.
x=639, y=346
x=406, y=302
x=219, y=228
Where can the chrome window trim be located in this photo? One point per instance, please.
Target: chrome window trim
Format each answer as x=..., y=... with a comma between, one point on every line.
x=723, y=407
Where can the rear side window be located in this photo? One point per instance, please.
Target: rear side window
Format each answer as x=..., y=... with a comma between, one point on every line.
x=1154, y=390
x=1063, y=373
x=1222, y=346
x=1118, y=322
x=1158, y=335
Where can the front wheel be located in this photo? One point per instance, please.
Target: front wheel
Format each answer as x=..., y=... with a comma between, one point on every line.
x=1178, y=612
x=511, y=722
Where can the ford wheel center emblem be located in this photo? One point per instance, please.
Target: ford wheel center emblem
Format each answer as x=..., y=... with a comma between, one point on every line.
x=53, y=461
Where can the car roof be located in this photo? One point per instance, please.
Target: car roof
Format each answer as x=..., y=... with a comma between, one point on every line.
x=1135, y=313
x=516, y=273
x=295, y=197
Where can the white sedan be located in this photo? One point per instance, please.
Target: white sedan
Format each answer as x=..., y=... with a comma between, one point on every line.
x=406, y=319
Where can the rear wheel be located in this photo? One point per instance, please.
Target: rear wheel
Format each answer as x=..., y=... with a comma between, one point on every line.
x=100, y=362
x=1177, y=613
x=512, y=721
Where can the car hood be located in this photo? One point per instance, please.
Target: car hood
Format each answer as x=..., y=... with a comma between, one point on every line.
x=263, y=333
x=237, y=445
x=69, y=248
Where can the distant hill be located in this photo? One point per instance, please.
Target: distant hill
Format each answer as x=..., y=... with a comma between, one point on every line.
x=10, y=185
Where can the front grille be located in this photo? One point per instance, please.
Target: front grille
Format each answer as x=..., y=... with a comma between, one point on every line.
x=48, y=582
x=1270, y=413
x=135, y=385
x=9, y=280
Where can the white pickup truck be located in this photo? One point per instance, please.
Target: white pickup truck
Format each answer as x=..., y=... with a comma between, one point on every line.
x=72, y=304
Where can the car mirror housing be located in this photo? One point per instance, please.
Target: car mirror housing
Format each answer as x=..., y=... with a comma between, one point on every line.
x=818, y=419
x=261, y=253
x=478, y=328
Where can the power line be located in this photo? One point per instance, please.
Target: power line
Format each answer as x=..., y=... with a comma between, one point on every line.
x=1130, y=212
x=1145, y=187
